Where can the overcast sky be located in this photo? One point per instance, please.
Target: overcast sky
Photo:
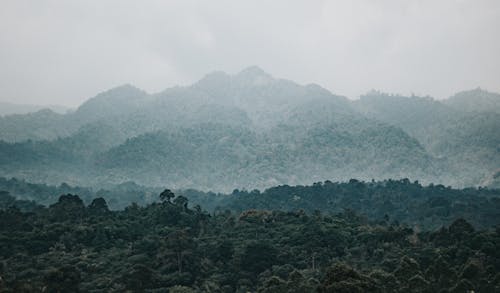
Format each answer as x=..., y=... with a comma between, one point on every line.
x=63, y=52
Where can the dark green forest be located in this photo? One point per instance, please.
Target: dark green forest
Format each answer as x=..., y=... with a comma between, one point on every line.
x=404, y=201
x=387, y=236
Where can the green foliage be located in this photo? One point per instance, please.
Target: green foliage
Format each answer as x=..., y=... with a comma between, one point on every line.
x=116, y=196
x=386, y=201
x=344, y=279
x=257, y=257
x=70, y=247
x=167, y=195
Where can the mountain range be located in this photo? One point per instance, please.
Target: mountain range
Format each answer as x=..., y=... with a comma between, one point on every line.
x=12, y=108
x=252, y=130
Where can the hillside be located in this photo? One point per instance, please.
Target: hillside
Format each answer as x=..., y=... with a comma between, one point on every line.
x=13, y=108
x=221, y=158
x=250, y=129
x=465, y=140
x=476, y=100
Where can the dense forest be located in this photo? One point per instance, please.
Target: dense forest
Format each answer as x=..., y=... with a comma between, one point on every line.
x=139, y=151
x=403, y=201
x=87, y=207
x=252, y=130
x=390, y=236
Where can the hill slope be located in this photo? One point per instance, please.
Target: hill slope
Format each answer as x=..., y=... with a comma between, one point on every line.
x=250, y=129
x=464, y=140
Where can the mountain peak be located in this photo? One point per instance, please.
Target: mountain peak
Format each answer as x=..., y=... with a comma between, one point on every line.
x=213, y=80
x=253, y=72
x=475, y=100
x=125, y=88
x=253, y=76
x=250, y=76
x=473, y=93
x=121, y=92
x=121, y=97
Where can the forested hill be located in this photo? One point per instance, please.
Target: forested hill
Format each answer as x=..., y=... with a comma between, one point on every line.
x=169, y=247
x=253, y=130
x=428, y=207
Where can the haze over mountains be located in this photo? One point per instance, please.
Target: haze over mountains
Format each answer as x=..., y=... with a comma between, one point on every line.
x=12, y=108
x=251, y=130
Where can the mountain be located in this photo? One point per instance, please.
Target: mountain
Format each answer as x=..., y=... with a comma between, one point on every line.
x=42, y=125
x=250, y=129
x=476, y=100
x=250, y=98
x=265, y=99
x=414, y=114
x=118, y=101
x=12, y=108
x=464, y=140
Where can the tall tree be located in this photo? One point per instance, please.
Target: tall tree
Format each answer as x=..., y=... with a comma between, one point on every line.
x=167, y=195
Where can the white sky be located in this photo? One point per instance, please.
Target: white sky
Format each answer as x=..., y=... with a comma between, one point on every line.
x=63, y=52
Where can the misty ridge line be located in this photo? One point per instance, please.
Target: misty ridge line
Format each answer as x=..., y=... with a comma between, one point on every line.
x=252, y=130
x=9, y=108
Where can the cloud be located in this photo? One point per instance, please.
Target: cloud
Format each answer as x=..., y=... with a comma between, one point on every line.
x=67, y=51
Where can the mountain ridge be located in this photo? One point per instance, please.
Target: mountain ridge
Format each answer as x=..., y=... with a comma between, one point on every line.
x=285, y=125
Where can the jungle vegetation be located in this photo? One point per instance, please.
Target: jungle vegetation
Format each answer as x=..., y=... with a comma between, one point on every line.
x=275, y=241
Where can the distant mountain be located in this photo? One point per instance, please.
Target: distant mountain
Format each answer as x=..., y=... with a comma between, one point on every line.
x=118, y=101
x=252, y=98
x=266, y=100
x=12, y=108
x=476, y=100
x=465, y=140
x=41, y=125
x=414, y=114
x=250, y=130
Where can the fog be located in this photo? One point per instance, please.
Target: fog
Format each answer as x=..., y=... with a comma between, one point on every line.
x=63, y=52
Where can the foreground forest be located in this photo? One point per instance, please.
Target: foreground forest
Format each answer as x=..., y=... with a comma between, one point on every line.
x=327, y=237
x=429, y=207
